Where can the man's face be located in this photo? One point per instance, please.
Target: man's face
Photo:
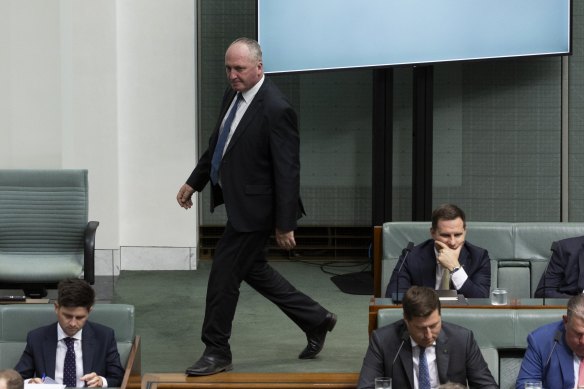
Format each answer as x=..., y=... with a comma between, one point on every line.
x=243, y=72
x=71, y=320
x=450, y=232
x=425, y=330
x=575, y=333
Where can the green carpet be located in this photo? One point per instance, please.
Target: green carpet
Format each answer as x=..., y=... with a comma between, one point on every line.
x=169, y=314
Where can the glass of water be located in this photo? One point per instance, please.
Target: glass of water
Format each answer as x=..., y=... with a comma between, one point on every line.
x=533, y=385
x=499, y=296
x=383, y=383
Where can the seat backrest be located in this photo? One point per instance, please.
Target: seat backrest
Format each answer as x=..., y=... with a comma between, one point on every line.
x=498, y=332
x=42, y=211
x=519, y=252
x=16, y=320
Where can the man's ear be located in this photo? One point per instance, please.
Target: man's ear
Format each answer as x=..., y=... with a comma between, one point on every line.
x=56, y=307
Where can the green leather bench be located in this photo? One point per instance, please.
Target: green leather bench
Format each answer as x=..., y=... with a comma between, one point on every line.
x=519, y=252
x=16, y=320
x=501, y=333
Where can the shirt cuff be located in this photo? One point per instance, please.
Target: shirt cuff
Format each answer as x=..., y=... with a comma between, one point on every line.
x=458, y=278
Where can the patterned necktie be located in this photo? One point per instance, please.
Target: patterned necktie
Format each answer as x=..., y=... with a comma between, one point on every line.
x=581, y=374
x=423, y=371
x=218, y=153
x=69, y=369
x=445, y=283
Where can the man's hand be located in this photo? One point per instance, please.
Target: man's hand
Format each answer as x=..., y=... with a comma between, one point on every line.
x=447, y=257
x=35, y=380
x=184, y=196
x=285, y=239
x=92, y=380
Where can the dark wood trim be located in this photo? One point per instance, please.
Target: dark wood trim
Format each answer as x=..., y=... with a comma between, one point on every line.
x=232, y=380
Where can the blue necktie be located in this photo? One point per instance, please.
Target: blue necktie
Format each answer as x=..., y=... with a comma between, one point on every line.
x=69, y=369
x=218, y=153
x=424, y=372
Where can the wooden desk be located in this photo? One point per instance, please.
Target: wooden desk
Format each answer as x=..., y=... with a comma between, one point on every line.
x=380, y=303
x=233, y=380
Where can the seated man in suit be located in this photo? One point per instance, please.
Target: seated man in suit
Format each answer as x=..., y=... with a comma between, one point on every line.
x=555, y=351
x=446, y=261
x=73, y=351
x=564, y=276
x=10, y=379
x=421, y=351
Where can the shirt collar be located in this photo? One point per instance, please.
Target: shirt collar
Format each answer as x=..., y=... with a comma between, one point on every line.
x=249, y=94
x=62, y=335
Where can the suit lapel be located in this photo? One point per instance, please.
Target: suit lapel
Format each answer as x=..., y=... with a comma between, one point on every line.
x=251, y=111
x=49, y=351
x=406, y=361
x=442, y=357
x=88, y=344
x=463, y=257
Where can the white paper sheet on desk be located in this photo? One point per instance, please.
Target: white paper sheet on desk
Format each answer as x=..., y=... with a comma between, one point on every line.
x=43, y=386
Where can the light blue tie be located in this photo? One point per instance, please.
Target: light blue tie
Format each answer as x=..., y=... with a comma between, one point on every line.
x=424, y=372
x=218, y=153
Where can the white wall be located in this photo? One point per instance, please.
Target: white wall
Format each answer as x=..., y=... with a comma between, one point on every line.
x=108, y=86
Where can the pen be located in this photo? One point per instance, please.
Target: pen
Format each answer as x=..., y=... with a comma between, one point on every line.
x=43, y=377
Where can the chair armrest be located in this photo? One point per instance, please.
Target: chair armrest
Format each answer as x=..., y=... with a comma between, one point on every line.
x=89, y=252
x=133, y=374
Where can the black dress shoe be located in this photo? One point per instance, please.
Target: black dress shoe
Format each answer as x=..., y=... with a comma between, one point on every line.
x=317, y=336
x=208, y=364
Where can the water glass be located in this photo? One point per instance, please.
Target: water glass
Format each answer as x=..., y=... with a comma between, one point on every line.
x=499, y=296
x=383, y=383
x=533, y=385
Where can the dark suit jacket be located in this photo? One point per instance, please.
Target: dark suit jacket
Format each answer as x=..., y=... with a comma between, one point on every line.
x=458, y=358
x=559, y=371
x=100, y=353
x=565, y=273
x=420, y=269
x=260, y=170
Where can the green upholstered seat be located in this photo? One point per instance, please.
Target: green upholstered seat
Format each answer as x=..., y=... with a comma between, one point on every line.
x=44, y=232
x=500, y=333
x=519, y=252
x=16, y=320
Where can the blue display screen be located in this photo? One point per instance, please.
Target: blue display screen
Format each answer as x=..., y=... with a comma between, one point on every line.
x=305, y=35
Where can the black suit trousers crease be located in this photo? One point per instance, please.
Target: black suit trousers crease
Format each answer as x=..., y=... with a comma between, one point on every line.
x=240, y=256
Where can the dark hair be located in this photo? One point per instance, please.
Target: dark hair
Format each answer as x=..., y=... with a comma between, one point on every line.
x=74, y=292
x=420, y=301
x=447, y=212
x=13, y=379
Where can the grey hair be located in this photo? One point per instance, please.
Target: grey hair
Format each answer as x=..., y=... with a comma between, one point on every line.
x=576, y=306
x=254, y=47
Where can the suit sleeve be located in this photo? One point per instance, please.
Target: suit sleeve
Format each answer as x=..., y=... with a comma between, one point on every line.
x=285, y=154
x=114, y=370
x=554, y=276
x=373, y=364
x=477, y=370
x=25, y=366
x=478, y=283
x=532, y=364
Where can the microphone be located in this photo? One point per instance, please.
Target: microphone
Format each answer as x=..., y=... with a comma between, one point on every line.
x=557, y=337
x=405, y=253
x=405, y=336
x=553, y=249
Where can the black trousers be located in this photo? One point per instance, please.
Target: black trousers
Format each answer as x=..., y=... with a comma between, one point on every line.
x=240, y=256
